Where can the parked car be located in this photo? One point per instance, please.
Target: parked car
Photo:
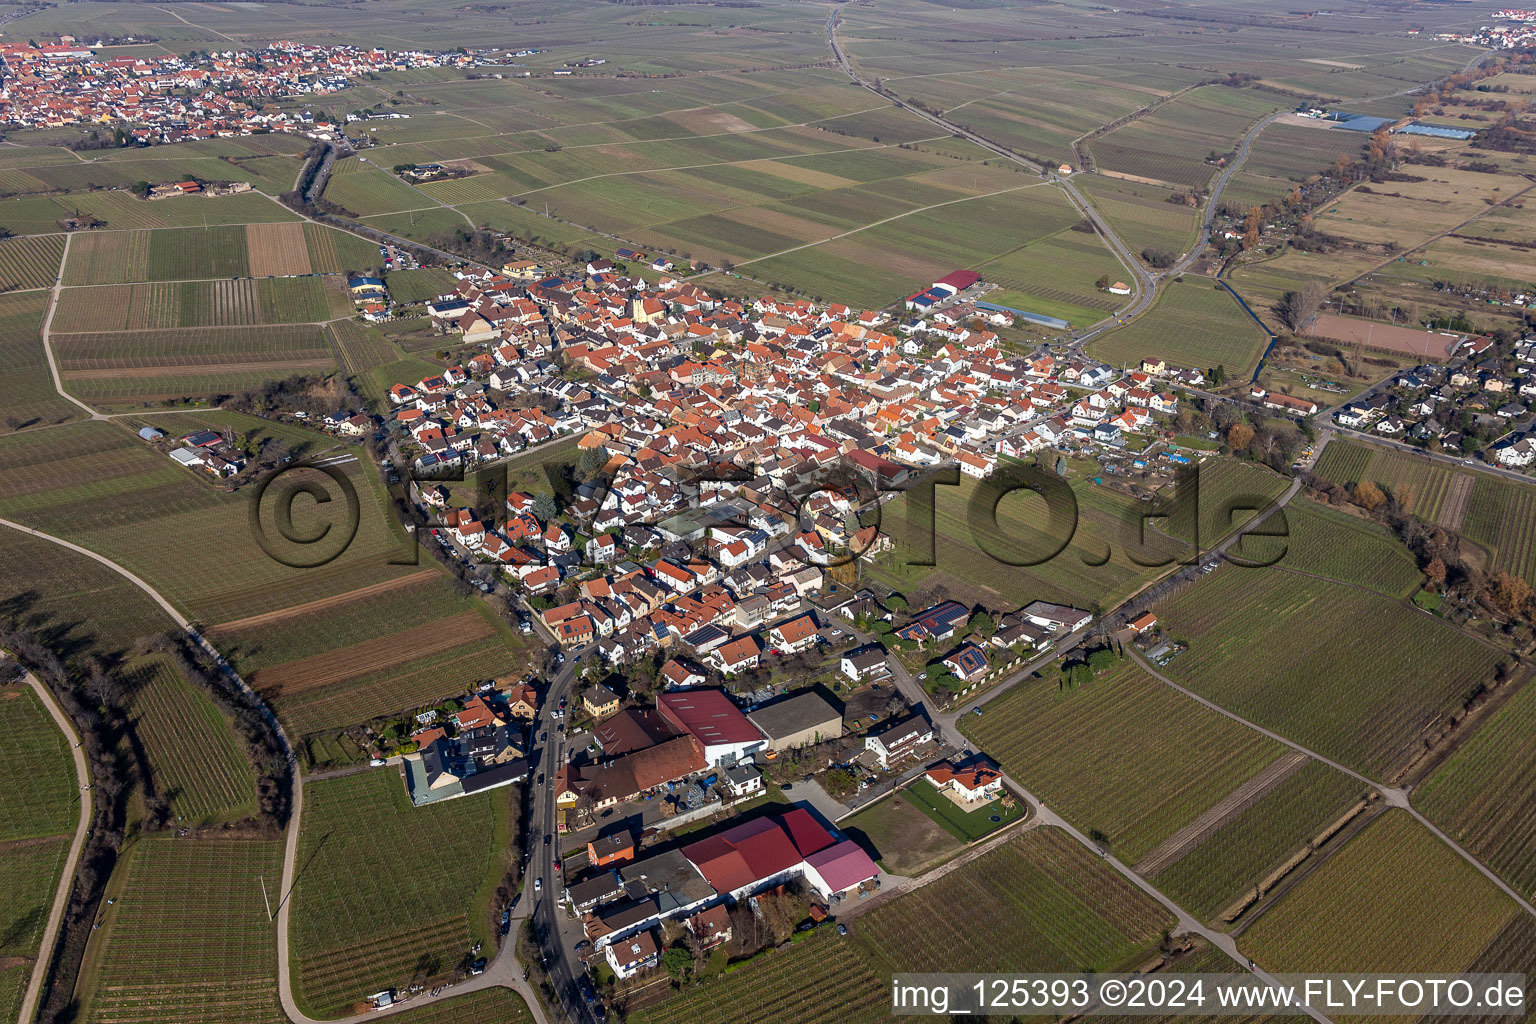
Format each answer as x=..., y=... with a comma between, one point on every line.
x=478, y=967
x=376, y=762
x=842, y=929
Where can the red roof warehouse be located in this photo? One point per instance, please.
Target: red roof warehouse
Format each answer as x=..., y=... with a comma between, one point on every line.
x=758, y=850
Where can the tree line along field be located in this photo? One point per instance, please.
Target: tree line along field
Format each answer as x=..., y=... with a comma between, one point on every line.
x=1372, y=675
x=393, y=887
x=1229, y=861
x=188, y=940
x=1193, y=324
x=1124, y=755
x=152, y=366
x=39, y=807
x=1496, y=513
x=222, y=303
x=197, y=761
x=1393, y=898
x=1105, y=523
x=26, y=386
x=1482, y=794
x=30, y=262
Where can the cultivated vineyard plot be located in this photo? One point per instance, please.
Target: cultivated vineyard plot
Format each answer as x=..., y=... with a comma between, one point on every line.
x=819, y=981
x=188, y=941
x=45, y=799
x=1395, y=898
x=394, y=887
x=1484, y=794
x=1116, y=755
x=30, y=262
x=1042, y=900
x=1341, y=547
x=107, y=257
x=1352, y=674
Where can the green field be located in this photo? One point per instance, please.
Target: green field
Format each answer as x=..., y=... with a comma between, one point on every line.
x=1372, y=675
x=198, y=761
x=39, y=808
x=26, y=387
x=1115, y=755
x=1481, y=796
x=1141, y=213
x=1170, y=144
x=967, y=826
x=966, y=558
x=30, y=262
x=422, y=876
x=1394, y=898
x=418, y=285
x=188, y=939
x=1041, y=899
x=1342, y=547
x=148, y=367
x=222, y=303
x=1194, y=324
x=823, y=980
x=1247, y=848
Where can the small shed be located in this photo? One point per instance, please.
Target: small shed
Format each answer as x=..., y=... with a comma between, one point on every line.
x=150, y=433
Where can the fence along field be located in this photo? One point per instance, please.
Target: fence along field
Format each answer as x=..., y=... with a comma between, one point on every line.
x=396, y=887
x=1373, y=675
x=1394, y=898
x=1484, y=793
x=188, y=941
x=198, y=764
x=1041, y=899
x=30, y=262
x=1115, y=754
x=39, y=805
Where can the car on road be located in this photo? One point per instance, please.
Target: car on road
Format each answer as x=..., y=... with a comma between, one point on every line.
x=976, y=711
x=560, y=658
x=538, y=885
x=506, y=920
x=557, y=867
x=548, y=840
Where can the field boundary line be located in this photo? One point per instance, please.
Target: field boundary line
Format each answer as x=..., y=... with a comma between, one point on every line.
x=67, y=876
x=44, y=333
x=1171, y=850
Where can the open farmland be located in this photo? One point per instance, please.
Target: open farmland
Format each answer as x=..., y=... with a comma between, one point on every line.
x=1115, y=755
x=107, y=257
x=1357, y=912
x=223, y=303
x=277, y=250
x=1056, y=277
x=965, y=553
x=30, y=262
x=1141, y=213
x=905, y=839
x=390, y=888
x=1244, y=849
x=1482, y=795
x=188, y=941
x=192, y=254
x=149, y=366
x=418, y=285
x=360, y=347
x=822, y=980
x=1195, y=324
x=1170, y=144
x=332, y=251
x=1405, y=669
x=26, y=387
x=198, y=762
x=39, y=808
x=1340, y=546
x=1041, y=899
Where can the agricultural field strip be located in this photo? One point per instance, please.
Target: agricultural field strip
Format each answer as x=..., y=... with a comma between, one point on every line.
x=1396, y=797
x=887, y=220
x=1235, y=803
x=730, y=163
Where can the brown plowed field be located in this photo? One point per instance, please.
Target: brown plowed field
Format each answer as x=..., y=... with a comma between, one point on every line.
x=299, y=611
x=322, y=670
x=277, y=250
